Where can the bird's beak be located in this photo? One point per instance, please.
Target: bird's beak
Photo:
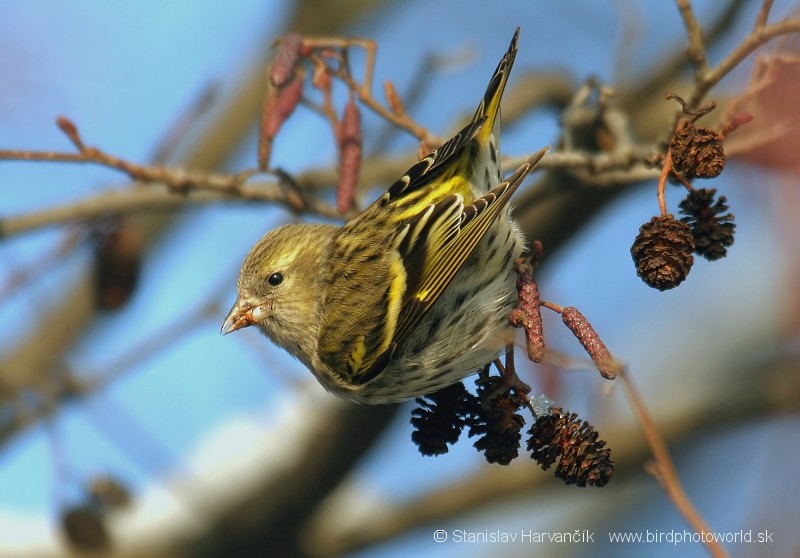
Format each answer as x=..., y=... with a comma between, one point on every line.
x=240, y=316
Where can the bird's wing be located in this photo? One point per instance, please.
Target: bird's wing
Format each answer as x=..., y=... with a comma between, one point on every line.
x=431, y=178
x=435, y=247
x=383, y=288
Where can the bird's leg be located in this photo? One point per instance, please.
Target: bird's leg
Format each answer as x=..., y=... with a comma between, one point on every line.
x=509, y=373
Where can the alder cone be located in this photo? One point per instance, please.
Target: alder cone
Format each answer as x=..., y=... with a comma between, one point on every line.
x=662, y=252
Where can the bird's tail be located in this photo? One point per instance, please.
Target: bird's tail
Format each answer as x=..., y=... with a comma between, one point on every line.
x=490, y=105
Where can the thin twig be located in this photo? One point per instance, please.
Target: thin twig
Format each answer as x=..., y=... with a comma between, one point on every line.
x=602, y=169
x=664, y=469
x=133, y=200
x=337, y=48
x=401, y=120
x=623, y=159
x=326, y=108
x=665, y=73
x=697, y=48
x=417, y=86
x=662, y=183
x=763, y=15
x=178, y=179
x=760, y=35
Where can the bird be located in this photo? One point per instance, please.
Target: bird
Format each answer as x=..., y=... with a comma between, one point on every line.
x=413, y=293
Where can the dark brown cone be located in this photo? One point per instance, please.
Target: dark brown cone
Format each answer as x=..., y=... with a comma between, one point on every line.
x=440, y=417
x=582, y=458
x=85, y=529
x=108, y=492
x=662, y=252
x=117, y=261
x=697, y=152
x=496, y=421
x=541, y=444
x=712, y=231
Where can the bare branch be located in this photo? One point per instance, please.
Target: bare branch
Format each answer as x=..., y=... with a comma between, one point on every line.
x=763, y=15
x=601, y=169
x=697, y=48
x=598, y=163
x=758, y=37
x=658, y=80
x=175, y=178
x=665, y=468
x=139, y=199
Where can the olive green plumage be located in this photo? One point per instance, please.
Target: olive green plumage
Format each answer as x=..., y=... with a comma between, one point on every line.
x=413, y=293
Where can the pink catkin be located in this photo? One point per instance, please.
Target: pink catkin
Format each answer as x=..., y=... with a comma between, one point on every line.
x=285, y=62
x=278, y=106
x=591, y=342
x=528, y=315
x=349, y=156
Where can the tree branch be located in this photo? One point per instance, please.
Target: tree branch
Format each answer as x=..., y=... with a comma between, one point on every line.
x=697, y=48
x=151, y=198
x=760, y=36
x=664, y=469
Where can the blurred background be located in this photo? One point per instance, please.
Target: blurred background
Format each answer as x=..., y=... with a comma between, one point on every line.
x=200, y=445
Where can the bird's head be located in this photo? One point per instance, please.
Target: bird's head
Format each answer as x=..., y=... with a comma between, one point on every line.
x=278, y=287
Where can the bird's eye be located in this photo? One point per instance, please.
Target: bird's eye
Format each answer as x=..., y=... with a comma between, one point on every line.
x=275, y=279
